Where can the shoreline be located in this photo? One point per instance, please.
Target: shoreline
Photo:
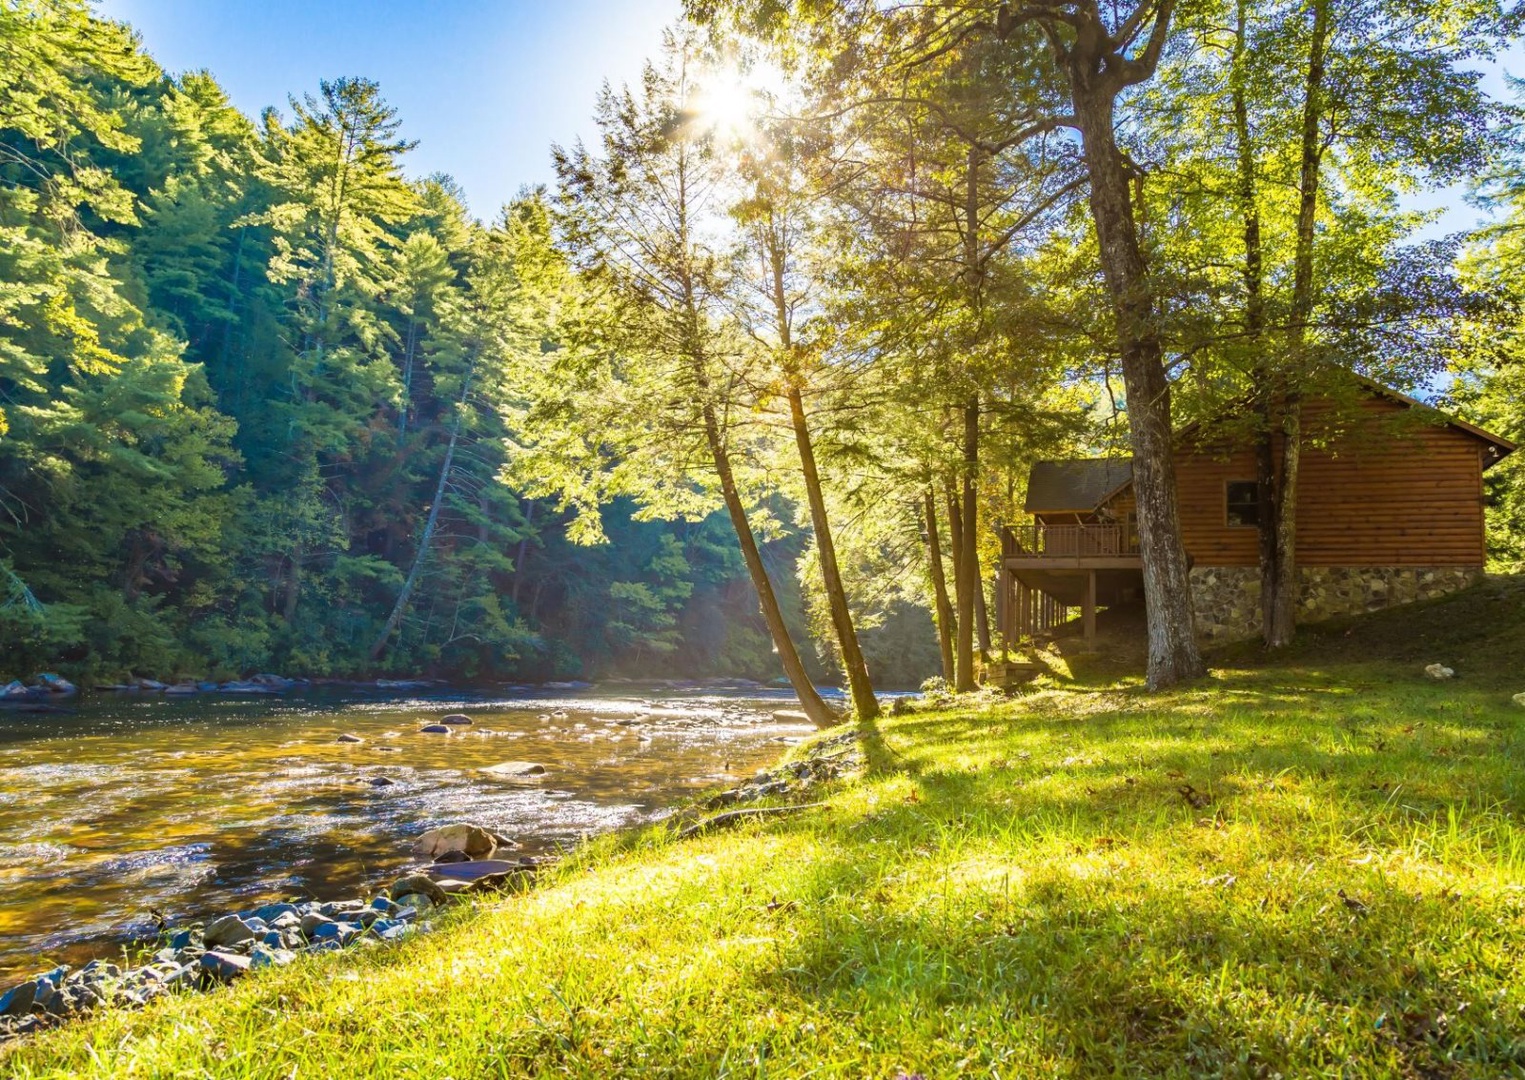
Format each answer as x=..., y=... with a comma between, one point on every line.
x=205, y=955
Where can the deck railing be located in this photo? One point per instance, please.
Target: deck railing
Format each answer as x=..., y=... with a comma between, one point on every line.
x=1068, y=541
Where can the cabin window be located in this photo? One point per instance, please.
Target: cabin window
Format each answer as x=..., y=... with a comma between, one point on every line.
x=1243, y=499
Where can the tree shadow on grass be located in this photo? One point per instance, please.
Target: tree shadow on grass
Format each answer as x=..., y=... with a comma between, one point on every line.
x=1196, y=909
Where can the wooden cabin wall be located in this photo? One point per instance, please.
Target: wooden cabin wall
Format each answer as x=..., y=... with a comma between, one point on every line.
x=1387, y=491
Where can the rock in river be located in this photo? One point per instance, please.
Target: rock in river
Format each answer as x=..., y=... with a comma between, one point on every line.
x=459, y=719
x=347, y=737
x=436, y=729
x=516, y=768
x=475, y=841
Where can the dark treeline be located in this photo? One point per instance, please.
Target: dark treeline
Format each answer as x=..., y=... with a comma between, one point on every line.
x=256, y=402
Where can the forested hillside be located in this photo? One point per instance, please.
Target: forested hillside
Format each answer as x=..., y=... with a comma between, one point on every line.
x=256, y=393
x=749, y=391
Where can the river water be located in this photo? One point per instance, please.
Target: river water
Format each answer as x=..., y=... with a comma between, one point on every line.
x=128, y=809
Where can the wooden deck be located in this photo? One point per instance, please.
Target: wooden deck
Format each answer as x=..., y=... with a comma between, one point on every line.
x=1078, y=546
x=1049, y=569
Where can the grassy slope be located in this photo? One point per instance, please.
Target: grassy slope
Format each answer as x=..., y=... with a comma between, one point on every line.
x=1019, y=890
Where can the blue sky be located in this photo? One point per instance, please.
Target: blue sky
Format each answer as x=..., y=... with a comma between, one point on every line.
x=485, y=86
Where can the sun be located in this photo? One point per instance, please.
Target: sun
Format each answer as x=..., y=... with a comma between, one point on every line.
x=728, y=106
x=731, y=100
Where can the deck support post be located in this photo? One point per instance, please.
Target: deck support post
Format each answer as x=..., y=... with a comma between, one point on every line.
x=1088, y=609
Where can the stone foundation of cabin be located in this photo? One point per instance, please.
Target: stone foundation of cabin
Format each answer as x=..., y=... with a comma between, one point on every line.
x=1227, y=598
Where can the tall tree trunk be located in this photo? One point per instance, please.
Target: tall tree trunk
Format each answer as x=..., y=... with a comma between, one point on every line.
x=819, y=712
x=865, y=704
x=981, y=612
x=859, y=687
x=1173, y=652
x=293, y=583
x=430, y=523
x=409, y=351
x=943, y=608
x=1281, y=621
x=966, y=577
x=1262, y=376
x=523, y=550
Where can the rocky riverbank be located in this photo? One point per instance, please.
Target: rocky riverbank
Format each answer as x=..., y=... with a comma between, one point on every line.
x=205, y=955
x=461, y=859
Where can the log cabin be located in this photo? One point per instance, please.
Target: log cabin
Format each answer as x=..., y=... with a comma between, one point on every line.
x=1389, y=510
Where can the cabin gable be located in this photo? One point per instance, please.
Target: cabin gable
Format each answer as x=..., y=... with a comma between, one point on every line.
x=1381, y=487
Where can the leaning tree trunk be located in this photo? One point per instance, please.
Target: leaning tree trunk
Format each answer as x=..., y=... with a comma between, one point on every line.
x=1173, y=652
x=819, y=712
x=944, y=609
x=865, y=704
x=430, y=524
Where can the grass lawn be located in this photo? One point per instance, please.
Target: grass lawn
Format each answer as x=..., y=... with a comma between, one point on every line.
x=1315, y=868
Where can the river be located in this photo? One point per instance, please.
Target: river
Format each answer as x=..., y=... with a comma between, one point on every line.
x=128, y=809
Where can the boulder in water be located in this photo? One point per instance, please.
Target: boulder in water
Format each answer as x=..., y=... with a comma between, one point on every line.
x=458, y=719
x=475, y=841
x=56, y=684
x=478, y=870
x=348, y=738
x=436, y=729
x=515, y=769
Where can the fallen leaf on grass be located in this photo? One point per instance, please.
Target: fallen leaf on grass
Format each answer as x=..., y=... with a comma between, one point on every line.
x=1197, y=798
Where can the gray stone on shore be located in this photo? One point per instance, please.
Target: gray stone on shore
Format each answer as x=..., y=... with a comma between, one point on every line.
x=18, y=999
x=416, y=885
x=228, y=930
x=270, y=957
x=342, y=932
x=312, y=921
x=414, y=904
x=224, y=966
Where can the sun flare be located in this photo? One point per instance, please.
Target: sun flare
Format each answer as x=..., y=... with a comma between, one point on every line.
x=731, y=100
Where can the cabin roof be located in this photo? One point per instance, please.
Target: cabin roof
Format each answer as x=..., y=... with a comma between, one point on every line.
x=1076, y=485
x=1499, y=445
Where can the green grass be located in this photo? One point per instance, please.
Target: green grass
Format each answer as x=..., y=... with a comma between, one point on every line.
x=1016, y=891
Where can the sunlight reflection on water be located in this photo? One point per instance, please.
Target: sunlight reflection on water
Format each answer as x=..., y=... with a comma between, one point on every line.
x=190, y=807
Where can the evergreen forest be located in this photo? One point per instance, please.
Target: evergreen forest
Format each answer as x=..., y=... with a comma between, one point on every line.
x=792, y=327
